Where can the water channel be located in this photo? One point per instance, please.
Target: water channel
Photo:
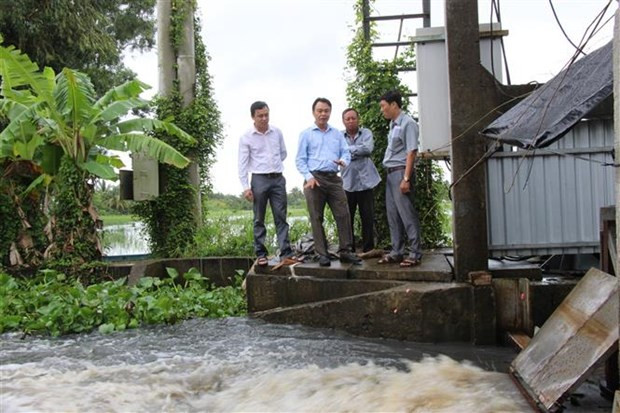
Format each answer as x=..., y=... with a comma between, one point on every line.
x=242, y=364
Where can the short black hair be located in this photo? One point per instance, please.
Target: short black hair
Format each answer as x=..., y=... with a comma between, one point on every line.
x=393, y=96
x=259, y=104
x=349, y=110
x=323, y=100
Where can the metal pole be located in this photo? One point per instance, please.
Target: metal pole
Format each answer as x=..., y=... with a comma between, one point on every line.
x=366, y=19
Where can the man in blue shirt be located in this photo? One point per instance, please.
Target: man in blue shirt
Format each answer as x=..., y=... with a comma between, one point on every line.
x=399, y=161
x=322, y=149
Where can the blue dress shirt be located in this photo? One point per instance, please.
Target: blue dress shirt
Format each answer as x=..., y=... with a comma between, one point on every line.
x=317, y=151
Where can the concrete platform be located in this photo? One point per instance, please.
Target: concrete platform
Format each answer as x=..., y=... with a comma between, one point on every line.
x=420, y=303
x=423, y=312
x=434, y=268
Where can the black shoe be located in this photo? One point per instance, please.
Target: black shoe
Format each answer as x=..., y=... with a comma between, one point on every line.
x=350, y=258
x=324, y=261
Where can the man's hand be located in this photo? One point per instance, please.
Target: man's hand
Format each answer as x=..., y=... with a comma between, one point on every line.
x=247, y=194
x=311, y=183
x=405, y=187
x=340, y=163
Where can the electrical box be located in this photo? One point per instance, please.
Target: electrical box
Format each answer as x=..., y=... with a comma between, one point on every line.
x=145, y=177
x=432, y=77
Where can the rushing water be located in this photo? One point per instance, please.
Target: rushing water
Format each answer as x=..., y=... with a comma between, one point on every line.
x=246, y=365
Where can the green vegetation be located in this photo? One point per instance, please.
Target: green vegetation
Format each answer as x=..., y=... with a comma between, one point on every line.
x=369, y=80
x=51, y=303
x=55, y=145
x=87, y=35
x=118, y=219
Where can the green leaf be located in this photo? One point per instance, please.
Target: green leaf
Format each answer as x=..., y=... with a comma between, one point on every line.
x=172, y=273
x=127, y=90
x=120, y=108
x=146, y=282
x=106, y=328
x=50, y=158
x=152, y=147
x=99, y=170
x=149, y=125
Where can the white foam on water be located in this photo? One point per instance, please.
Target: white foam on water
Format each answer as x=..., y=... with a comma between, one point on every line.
x=195, y=385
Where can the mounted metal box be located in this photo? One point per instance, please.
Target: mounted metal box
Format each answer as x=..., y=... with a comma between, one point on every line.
x=432, y=77
x=145, y=177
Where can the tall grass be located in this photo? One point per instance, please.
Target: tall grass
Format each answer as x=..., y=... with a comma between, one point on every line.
x=234, y=235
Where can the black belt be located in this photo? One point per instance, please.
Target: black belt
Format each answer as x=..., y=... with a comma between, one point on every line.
x=328, y=173
x=271, y=175
x=395, y=168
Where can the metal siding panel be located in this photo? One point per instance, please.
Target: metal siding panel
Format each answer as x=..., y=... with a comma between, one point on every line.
x=540, y=227
x=497, y=216
x=512, y=213
x=552, y=196
x=567, y=199
x=521, y=195
x=561, y=201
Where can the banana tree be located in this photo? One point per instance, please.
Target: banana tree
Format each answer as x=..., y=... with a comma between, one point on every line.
x=56, y=123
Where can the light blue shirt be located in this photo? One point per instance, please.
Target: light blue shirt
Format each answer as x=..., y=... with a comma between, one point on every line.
x=317, y=151
x=402, y=139
x=361, y=174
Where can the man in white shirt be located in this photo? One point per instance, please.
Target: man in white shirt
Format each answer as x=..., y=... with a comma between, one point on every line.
x=261, y=152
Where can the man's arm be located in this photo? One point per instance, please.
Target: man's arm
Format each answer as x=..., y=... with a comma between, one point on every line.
x=301, y=160
x=243, y=161
x=405, y=184
x=411, y=142
x=344, y=157
x=282, y=146
x=363, y=145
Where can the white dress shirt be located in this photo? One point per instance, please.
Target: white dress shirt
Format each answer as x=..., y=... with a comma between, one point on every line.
x=260, y=153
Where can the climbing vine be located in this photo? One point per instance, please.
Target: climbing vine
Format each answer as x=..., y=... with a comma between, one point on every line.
x=369, y=80
x=169, y=218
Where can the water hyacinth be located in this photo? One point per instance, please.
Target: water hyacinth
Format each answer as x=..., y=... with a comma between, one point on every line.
x=53, y=304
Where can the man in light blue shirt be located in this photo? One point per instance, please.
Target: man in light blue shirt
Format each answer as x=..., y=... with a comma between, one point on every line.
x=321, y=150
x=360, y=177
x=261, y=152
x=399, y=161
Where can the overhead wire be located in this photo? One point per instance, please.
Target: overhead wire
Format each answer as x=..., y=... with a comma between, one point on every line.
x=557, y=19
x=582, y=43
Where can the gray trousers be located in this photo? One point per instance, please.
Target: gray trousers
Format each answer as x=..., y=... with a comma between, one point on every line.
x=330, y=192
x=402, y=217
x=270, y=188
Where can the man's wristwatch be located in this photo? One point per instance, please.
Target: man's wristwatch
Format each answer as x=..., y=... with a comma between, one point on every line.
x=406, y=178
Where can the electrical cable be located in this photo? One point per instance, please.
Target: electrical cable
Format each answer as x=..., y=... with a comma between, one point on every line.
x=557, y=19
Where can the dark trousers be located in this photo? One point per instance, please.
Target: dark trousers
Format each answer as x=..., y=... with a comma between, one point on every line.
x=272, y=189
x=366, y=202
x=330, y=192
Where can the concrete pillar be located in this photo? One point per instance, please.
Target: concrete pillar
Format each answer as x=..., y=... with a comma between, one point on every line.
x=165, y=53
x=186, y=73
x=186, y=62
x=469, y=101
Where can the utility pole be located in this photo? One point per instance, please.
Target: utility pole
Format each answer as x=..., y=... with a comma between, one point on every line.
x=185, y=73
x=470, y=98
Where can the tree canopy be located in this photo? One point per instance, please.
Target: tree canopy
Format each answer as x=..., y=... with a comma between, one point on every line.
x=87, y=35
